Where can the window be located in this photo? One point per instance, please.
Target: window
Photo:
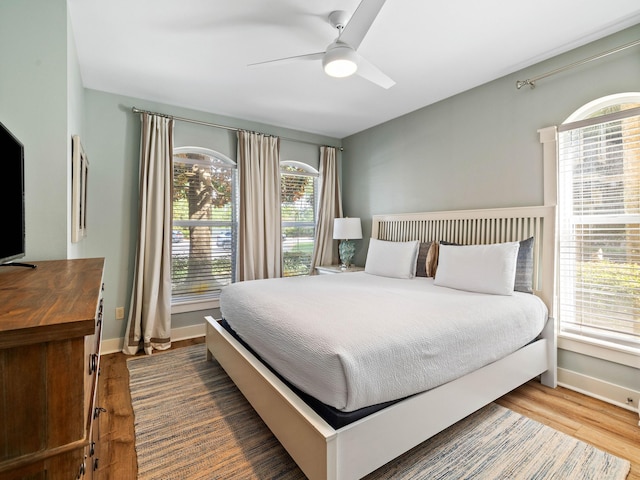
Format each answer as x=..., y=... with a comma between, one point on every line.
x=599, y=225
x=298, y=209
x=204, y=225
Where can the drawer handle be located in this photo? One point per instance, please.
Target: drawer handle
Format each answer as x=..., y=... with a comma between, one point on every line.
x=93, y=363
x=97, y=411
x=92, y=449
x=95, y=464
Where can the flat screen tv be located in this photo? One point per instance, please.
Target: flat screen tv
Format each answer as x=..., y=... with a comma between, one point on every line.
x=12, y=230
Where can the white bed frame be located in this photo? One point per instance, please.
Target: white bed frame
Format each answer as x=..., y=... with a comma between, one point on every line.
x=361, y=447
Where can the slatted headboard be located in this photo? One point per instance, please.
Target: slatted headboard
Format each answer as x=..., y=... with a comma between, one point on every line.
x=485, y=226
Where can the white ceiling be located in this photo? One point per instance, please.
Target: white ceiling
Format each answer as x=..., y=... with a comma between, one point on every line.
x=194, y=53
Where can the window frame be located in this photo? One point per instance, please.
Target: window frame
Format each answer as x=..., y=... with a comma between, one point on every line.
x=589, y=345
x=193, y=304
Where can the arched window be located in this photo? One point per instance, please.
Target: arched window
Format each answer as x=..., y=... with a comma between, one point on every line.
x=298, y=207
x=599, y=222
x=204, y=225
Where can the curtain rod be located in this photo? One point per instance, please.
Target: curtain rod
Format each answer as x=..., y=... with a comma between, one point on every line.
x=532, y=81
x=224, y=127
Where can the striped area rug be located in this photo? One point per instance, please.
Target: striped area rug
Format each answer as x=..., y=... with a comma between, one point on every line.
x=191, y=422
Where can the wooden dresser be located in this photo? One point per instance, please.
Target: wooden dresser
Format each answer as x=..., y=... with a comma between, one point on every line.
x=50, y=332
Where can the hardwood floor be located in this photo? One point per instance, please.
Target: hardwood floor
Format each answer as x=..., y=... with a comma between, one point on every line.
x=605, y=426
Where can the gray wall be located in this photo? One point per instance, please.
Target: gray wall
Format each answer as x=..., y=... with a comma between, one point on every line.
x=33, y=105
x=477, y=149
x=112, y=143
x=75, y=126
x=43, y=102
x=480, y=149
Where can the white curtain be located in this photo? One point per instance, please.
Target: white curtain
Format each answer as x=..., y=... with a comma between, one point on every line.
x=259, y=239
x=325, y=251
x=149, y=325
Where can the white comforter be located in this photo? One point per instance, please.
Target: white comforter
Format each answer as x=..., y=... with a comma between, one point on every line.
x=355, y=339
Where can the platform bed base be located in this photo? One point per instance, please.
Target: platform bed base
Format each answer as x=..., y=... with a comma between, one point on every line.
x=359, y=448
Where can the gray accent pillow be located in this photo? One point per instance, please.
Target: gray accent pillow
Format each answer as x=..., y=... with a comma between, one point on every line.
x=524, y=267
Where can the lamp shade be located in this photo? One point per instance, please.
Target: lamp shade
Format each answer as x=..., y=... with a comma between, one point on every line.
x=347, y=229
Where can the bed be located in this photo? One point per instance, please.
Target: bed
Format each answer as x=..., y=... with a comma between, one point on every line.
x=359, y=447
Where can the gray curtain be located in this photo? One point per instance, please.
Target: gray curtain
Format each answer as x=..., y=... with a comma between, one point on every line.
x=259, y=236
x=149, y=324
x=325, y=251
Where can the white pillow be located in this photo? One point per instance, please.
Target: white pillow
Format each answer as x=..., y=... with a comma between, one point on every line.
x=392, y=259
x=478, y=268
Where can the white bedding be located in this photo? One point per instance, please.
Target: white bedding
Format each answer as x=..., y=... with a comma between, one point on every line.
x=354, y=339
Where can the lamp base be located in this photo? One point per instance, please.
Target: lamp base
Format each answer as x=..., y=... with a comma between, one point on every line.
x=347, y=249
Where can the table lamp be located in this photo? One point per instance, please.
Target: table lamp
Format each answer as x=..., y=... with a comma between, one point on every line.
x=346, y=230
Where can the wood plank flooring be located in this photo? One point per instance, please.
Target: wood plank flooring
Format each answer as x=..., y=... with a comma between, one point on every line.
x=605, y=426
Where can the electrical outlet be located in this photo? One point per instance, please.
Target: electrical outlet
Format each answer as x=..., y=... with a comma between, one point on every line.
x=119, y=313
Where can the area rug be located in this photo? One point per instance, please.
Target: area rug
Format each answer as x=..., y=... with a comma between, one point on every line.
x=191, y=422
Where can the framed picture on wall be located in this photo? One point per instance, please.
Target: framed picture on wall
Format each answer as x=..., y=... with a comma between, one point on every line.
x=79, y=177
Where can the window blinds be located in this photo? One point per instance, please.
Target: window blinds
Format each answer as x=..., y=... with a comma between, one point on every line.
x=599, y=228
x=298, y=210
x=203, y=240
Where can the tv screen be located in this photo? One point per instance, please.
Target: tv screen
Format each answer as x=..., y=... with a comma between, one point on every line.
x=12, y=236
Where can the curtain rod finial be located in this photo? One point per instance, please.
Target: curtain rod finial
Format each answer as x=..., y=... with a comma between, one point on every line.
x=522, y=83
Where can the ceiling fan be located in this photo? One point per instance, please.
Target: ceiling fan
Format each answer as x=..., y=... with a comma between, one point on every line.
x=341, y=58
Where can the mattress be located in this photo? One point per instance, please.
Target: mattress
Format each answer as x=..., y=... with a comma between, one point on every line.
x=354, y=340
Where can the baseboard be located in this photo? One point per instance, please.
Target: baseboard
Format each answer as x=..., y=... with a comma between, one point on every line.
x=113, y=345
x=596, y=388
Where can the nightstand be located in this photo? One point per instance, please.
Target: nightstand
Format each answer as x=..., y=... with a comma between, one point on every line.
x=331, y=269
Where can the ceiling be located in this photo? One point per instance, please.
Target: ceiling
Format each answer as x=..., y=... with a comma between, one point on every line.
x=194, y=53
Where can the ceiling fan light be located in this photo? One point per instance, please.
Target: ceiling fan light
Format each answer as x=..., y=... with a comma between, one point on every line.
x=340, y=61
x=340, y=68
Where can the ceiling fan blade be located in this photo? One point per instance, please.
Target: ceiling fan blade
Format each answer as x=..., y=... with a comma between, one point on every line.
x=284, y=61
x=360, y=22
x=369, y=71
